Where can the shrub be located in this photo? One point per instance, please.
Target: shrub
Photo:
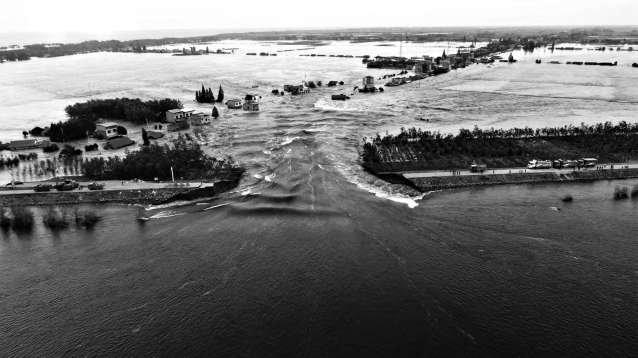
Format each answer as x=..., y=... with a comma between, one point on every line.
x=70, y=151
x=86, y=219
x=621, y=193
x=22, y=219
x=51, y=148
x=5, y=220
x=54, y=219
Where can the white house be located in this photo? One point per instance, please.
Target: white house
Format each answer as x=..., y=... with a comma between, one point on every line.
x=106, y=130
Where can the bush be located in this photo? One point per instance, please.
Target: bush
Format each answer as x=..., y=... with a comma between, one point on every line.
x=91, y=147
x=22, y=219
x=621, y=193
x=86, y=219
x=5, y=220
x=51, y=148
x=54, y=219
x=70, y=151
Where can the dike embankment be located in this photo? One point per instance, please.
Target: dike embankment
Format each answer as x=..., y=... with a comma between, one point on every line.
x=426, y=184
x=153, y=196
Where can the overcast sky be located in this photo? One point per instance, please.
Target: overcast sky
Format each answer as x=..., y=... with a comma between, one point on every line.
x=134, y=15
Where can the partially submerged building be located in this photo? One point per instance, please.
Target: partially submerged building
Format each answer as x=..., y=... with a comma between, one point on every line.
x=178, y=119
x=200, y=119
x=251, y=103
x=234, y=103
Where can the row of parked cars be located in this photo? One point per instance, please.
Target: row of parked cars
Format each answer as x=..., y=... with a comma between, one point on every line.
x=66, y=185
x=562, y=164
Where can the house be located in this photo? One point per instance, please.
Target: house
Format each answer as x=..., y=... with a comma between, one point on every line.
x=178, y=115
x=118, y=142
x=200, y=119
x=27, y=144
x=296, y=90
x=251, y=103
x=106, y=130
x=178, y=119
x=234, y=103
x=423, y=66
x=368, y=83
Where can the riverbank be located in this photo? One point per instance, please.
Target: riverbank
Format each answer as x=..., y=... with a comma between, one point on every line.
x=432, y=183
x=140, y=194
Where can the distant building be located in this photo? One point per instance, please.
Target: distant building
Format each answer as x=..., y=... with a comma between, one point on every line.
x=251, y=103
x=27, y=144
x=106, y=130
x=296, y=90
x=200, y=119
x=234, y=103
x=423, y=67
x=178, y=115
x=368, y=83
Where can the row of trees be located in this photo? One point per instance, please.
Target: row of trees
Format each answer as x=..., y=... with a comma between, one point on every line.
x=419, y=149
x=132, y=110
x=21, y=219
x=184, y=155
x=207, y=96
x=598, y=129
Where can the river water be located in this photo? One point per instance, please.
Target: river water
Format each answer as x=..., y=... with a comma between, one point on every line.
x=311, y=256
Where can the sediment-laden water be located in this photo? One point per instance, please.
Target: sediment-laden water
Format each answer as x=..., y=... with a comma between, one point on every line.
x=311, y=256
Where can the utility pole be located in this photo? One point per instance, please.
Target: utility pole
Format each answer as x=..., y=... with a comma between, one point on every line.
x=172, y=175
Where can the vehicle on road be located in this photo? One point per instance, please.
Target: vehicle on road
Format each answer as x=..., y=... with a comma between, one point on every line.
x=96, y=186
x=43, y=187
x=67, y=185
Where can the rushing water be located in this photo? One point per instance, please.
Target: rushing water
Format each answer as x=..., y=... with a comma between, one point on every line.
x=309, y=257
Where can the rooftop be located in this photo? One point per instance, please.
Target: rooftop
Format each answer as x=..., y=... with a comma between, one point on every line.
x=108, y=124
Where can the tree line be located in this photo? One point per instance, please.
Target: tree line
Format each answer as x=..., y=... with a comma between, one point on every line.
x=207, y=96
x=418, y=149
x=183, y=154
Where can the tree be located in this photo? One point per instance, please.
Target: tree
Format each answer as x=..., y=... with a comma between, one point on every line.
x=145, y=137
x=215, y=113
x=220, y=94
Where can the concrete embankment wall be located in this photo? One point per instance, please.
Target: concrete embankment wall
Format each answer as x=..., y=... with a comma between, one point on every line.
x=450, y=182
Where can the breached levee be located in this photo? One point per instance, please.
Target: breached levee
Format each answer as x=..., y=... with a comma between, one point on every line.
x=426, y=184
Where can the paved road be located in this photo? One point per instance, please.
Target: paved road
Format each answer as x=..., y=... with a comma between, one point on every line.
x=108, y=185
x=442, y=173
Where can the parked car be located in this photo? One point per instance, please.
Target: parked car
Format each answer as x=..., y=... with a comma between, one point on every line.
x=43, y=187
x=96, y=186
x=67, y=185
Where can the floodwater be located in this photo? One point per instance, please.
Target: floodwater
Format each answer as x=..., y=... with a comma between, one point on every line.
x=311, y=256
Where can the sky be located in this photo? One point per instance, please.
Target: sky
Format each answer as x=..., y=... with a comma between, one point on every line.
x=112, y=16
